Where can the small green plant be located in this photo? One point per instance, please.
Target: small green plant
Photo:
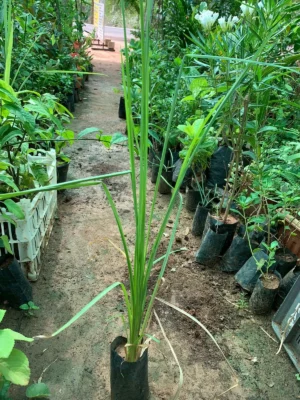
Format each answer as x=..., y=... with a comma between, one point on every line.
x=271, y=251
x=242, y=302
x=14, y=365
x=297, y=377
x=29, y=309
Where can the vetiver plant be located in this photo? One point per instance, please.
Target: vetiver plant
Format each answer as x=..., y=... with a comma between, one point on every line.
x=138, y=301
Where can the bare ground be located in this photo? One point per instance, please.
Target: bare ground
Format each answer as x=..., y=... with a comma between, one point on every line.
x=82, y=259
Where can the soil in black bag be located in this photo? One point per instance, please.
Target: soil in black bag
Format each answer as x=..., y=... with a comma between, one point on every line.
x=188, y=176
x=219, y=226
x=219, y=167
x=14, y=287
x=164, y=187
x=286, y=285
x=155, y=165
x=199, y=220
x=150, y=157
x=263, y=296
x=285, y=261
x=122, y=109
x=62, y=172
x=210, y=248
x=128, y=380
x=248, y=275
x=192, y=198
x=237, y=254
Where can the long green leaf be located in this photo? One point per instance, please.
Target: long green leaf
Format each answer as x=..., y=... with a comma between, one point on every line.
x=76, y=184
x=119, y=223
x=85, y=309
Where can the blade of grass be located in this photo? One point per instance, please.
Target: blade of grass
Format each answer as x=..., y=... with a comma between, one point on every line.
x=119, y=223
x=93, y=180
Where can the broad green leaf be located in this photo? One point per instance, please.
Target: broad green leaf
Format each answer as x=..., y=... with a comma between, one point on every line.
x=4, y=243
x=7, y=95
x=24, y=307
x=8, y=181
x=106, y=140
x=11, y=135
x=118, y=138
x=4, y=165
x=37, y=390
x=87, y=131
x=33, y=306
x=68, y=135
x=15, y=368
x=7, y=87
x=64, y=158
x=2, y=313
x=6, y=343
x=197, y=85
x=268, y=128
x=18, y=336
x=155, y=135
x=294, y=157
x=20, y=113
x=188, y=98
x=14, y=208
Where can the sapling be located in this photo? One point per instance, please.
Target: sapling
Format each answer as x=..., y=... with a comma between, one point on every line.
x=29, y=309
x=139, y=303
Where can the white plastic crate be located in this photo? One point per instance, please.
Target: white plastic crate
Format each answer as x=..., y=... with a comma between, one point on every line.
x=29, y=237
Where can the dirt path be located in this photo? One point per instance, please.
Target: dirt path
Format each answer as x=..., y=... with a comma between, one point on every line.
x=80, y=261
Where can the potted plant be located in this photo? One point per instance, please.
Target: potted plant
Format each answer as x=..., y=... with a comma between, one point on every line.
x=267, y=286
x=139, y=298
x=199, y=164
x=63, y=139
x=205, y=205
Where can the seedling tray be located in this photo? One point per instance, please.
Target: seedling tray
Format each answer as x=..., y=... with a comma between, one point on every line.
x=286, y=324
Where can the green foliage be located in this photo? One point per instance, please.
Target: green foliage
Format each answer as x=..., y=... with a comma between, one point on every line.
x=14, y=365
x=45, y=32
x=29, y=309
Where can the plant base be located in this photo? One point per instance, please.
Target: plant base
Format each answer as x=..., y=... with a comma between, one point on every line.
x=210, y=247
x=217, y=225
x=285, y=261
x=263, y=296
x=237, y=254
x=128, y=381
x=192, y=199
x=164, y=187
x=62, y=172
x=199, y=220
x=248, y=275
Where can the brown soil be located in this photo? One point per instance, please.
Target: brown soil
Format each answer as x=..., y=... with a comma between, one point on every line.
x=82, y=259
x=229, y=220
x=270, y=281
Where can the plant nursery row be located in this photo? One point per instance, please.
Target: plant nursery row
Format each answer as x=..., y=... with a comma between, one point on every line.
x=211, y=102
